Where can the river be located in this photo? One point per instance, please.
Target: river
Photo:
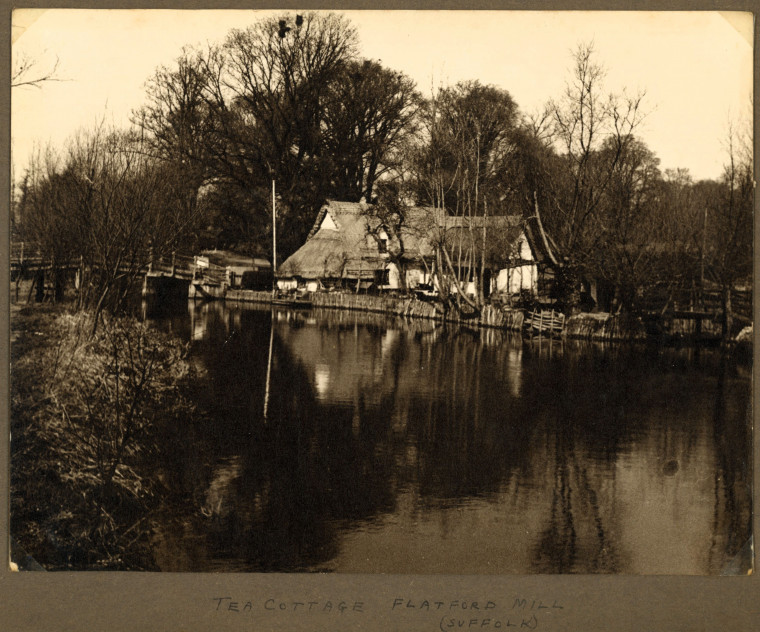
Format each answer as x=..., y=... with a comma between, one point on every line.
x=368, y=444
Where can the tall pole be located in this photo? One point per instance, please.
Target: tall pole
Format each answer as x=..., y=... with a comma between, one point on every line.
x=274, y=243
x=274, y=294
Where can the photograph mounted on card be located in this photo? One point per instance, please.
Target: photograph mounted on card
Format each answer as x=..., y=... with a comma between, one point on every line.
x=382, y=292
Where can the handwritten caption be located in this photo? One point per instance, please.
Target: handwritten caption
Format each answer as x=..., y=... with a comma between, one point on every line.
x=446, y=615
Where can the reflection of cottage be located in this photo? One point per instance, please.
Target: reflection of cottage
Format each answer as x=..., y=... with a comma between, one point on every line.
x=349, y=246
x=233, y=269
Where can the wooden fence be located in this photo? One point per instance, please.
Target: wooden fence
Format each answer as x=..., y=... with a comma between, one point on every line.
x=707, y=299
x=490, y=316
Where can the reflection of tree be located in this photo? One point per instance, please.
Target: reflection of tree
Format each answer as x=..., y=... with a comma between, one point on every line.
x=557, y=549
x=463, y=448
x=441, y=416
x=581, y=426
x=733, y=496
x=577, y=536
x=319, y=475
x=301, y=476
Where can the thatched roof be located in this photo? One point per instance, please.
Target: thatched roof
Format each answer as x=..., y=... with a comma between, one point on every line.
x=348, y=251
x=330, y=256
x=343, y=246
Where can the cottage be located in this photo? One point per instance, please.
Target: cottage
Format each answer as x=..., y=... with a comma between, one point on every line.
x=349, y=246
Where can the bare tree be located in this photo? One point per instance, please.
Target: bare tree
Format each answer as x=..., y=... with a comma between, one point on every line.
x=101, y=206
x=575, y=183
x=464, y=169
x=729, y=243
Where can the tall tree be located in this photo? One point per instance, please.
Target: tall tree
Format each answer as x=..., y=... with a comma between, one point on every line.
x=285, y=99
x=629, y=251
x=371, y=112
x=469, y=142
x=176, y=118
x=463, y=168
x=268, y=90
x=729, y=243
x=575, y=184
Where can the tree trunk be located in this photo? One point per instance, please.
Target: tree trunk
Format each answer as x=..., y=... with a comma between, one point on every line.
x=549, y=251
x=728, y=317
x=58, y=285
x=481, y=287
x=460, y=291
x=40, y=284
x=401, y=269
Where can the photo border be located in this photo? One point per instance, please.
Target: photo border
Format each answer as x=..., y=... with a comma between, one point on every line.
x=126, y=601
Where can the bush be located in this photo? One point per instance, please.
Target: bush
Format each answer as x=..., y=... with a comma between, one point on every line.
x=85, y=420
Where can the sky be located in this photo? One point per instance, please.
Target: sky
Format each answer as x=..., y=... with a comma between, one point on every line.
x=695, y=67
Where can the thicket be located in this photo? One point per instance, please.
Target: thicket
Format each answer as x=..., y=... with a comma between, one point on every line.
x=87, y=415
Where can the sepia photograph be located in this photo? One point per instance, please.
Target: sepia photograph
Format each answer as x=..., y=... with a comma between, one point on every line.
x=382, y=293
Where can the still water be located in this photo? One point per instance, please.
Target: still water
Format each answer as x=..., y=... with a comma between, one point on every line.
x=369, y=444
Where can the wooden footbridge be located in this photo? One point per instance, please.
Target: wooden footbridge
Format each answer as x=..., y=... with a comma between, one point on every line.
x=162, y=272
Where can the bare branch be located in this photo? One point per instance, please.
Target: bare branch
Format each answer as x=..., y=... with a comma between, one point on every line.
x=28, y=73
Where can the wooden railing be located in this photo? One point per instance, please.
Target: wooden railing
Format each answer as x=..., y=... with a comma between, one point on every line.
x=707, y=299
x=29, y=258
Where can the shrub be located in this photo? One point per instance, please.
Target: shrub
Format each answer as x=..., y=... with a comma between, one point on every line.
x=86, y=414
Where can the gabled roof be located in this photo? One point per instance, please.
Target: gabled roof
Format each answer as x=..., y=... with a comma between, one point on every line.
x=346, y=210
x=345, y=252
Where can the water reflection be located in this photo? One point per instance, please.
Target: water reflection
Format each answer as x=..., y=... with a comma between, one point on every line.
x=409, y=447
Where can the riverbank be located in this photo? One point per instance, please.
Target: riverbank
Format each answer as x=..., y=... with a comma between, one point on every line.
x=407, y=307
x=87, y=416
x=600, y=326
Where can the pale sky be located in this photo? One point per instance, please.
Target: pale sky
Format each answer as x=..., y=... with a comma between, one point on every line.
x=696, y=67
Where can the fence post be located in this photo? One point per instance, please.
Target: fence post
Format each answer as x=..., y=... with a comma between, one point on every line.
x=150, y=258
x=174, y=262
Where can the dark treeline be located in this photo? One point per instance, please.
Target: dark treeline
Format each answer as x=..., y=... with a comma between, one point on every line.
x=290, y=100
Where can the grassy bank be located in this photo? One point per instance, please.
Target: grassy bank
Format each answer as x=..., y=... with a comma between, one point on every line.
x=87, y=414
